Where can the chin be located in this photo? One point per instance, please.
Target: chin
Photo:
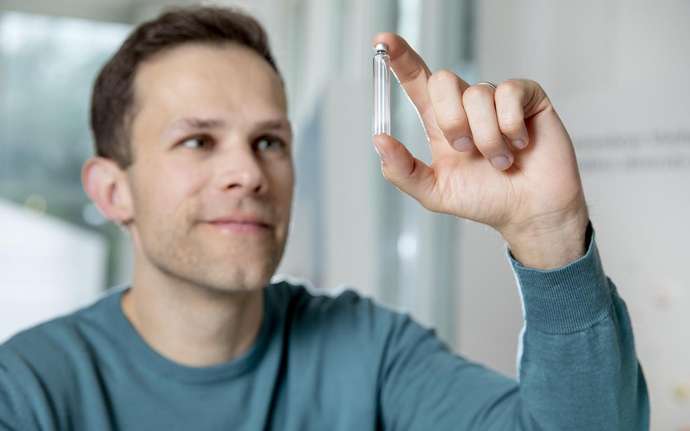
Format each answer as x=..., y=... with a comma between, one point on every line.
x=235, y=278
x=219, y=267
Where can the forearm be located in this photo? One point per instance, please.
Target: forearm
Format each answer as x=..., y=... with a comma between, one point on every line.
x=588, y=379
x=578, y=368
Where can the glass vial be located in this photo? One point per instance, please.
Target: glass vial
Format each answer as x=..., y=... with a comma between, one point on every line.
x=382, y=90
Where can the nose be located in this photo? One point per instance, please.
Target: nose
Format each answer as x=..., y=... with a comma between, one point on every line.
x=239, y=170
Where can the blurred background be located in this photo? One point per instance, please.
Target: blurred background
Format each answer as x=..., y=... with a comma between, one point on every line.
x=616, y=71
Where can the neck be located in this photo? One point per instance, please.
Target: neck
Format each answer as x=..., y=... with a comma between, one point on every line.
x=192, y=325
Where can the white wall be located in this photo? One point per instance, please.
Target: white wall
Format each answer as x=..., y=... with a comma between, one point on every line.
x=47, y=268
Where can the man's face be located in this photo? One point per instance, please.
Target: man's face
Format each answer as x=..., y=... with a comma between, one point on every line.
x=212, y=151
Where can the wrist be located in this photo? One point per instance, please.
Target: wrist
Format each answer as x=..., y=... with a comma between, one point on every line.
x=549, y=247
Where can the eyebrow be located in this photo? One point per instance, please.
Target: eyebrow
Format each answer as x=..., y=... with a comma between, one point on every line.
x=196, y=123
x=276, y=124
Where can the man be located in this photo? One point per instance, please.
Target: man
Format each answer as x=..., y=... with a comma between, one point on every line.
x=194, y=159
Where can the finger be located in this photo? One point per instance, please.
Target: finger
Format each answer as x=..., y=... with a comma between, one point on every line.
x=445, y=92
x=478, y=101
x=533, y=98
x=413, y=75
x=510, y=98
x=403, y=170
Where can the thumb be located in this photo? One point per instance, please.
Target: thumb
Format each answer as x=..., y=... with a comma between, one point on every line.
x=404, y=171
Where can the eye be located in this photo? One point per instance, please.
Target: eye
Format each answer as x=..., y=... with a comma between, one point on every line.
x=270, y=143
x=196, y=142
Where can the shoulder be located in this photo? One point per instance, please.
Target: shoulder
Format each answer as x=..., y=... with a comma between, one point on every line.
x=300, y=295
x=343, y=313
x=353, y=329
x=56, y=334
x=55, y=349
x=42, y=365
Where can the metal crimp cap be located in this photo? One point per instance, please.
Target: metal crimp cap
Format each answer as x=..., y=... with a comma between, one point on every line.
x=381, y=47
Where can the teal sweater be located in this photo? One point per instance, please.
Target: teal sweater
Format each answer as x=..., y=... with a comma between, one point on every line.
x=339, y=363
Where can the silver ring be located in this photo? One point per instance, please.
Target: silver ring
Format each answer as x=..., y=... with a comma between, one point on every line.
x=489, y=83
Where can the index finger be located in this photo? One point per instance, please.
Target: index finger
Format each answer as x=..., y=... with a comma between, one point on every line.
x=413, y=74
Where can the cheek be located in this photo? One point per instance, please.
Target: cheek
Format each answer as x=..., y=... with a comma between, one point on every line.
x=170, y=192
x=283, y=183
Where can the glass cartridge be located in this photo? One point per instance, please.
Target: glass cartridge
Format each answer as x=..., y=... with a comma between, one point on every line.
x=382, y=90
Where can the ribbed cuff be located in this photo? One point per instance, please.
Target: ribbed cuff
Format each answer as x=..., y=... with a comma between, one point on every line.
x=566, y=299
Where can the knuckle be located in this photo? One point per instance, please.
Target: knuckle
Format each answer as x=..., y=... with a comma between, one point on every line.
x=512, y=88
x=476, y=92
x=536, y=85
x=444, y=76
x=443, y=86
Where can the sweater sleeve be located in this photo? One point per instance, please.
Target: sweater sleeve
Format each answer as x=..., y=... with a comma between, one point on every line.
x=577, y=367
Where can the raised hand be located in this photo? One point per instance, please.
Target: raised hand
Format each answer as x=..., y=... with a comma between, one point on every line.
x=500, y=157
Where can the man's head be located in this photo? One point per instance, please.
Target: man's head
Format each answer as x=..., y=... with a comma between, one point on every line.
x=194, y=149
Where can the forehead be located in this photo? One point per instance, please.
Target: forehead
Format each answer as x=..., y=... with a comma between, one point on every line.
x=199, y=78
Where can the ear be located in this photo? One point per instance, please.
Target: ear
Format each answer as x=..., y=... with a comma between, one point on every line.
x=107, y=186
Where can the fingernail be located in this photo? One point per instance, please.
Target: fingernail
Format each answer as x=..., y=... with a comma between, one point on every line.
x=378, y=151
x=520, y=143
x=463, y=144
x=502, y=162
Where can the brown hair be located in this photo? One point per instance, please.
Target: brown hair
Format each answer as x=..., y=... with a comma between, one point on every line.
x=112, y=101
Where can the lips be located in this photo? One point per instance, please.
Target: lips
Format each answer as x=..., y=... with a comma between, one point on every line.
x=241, y=223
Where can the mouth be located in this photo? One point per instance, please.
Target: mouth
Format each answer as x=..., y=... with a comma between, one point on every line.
x=240, y=227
